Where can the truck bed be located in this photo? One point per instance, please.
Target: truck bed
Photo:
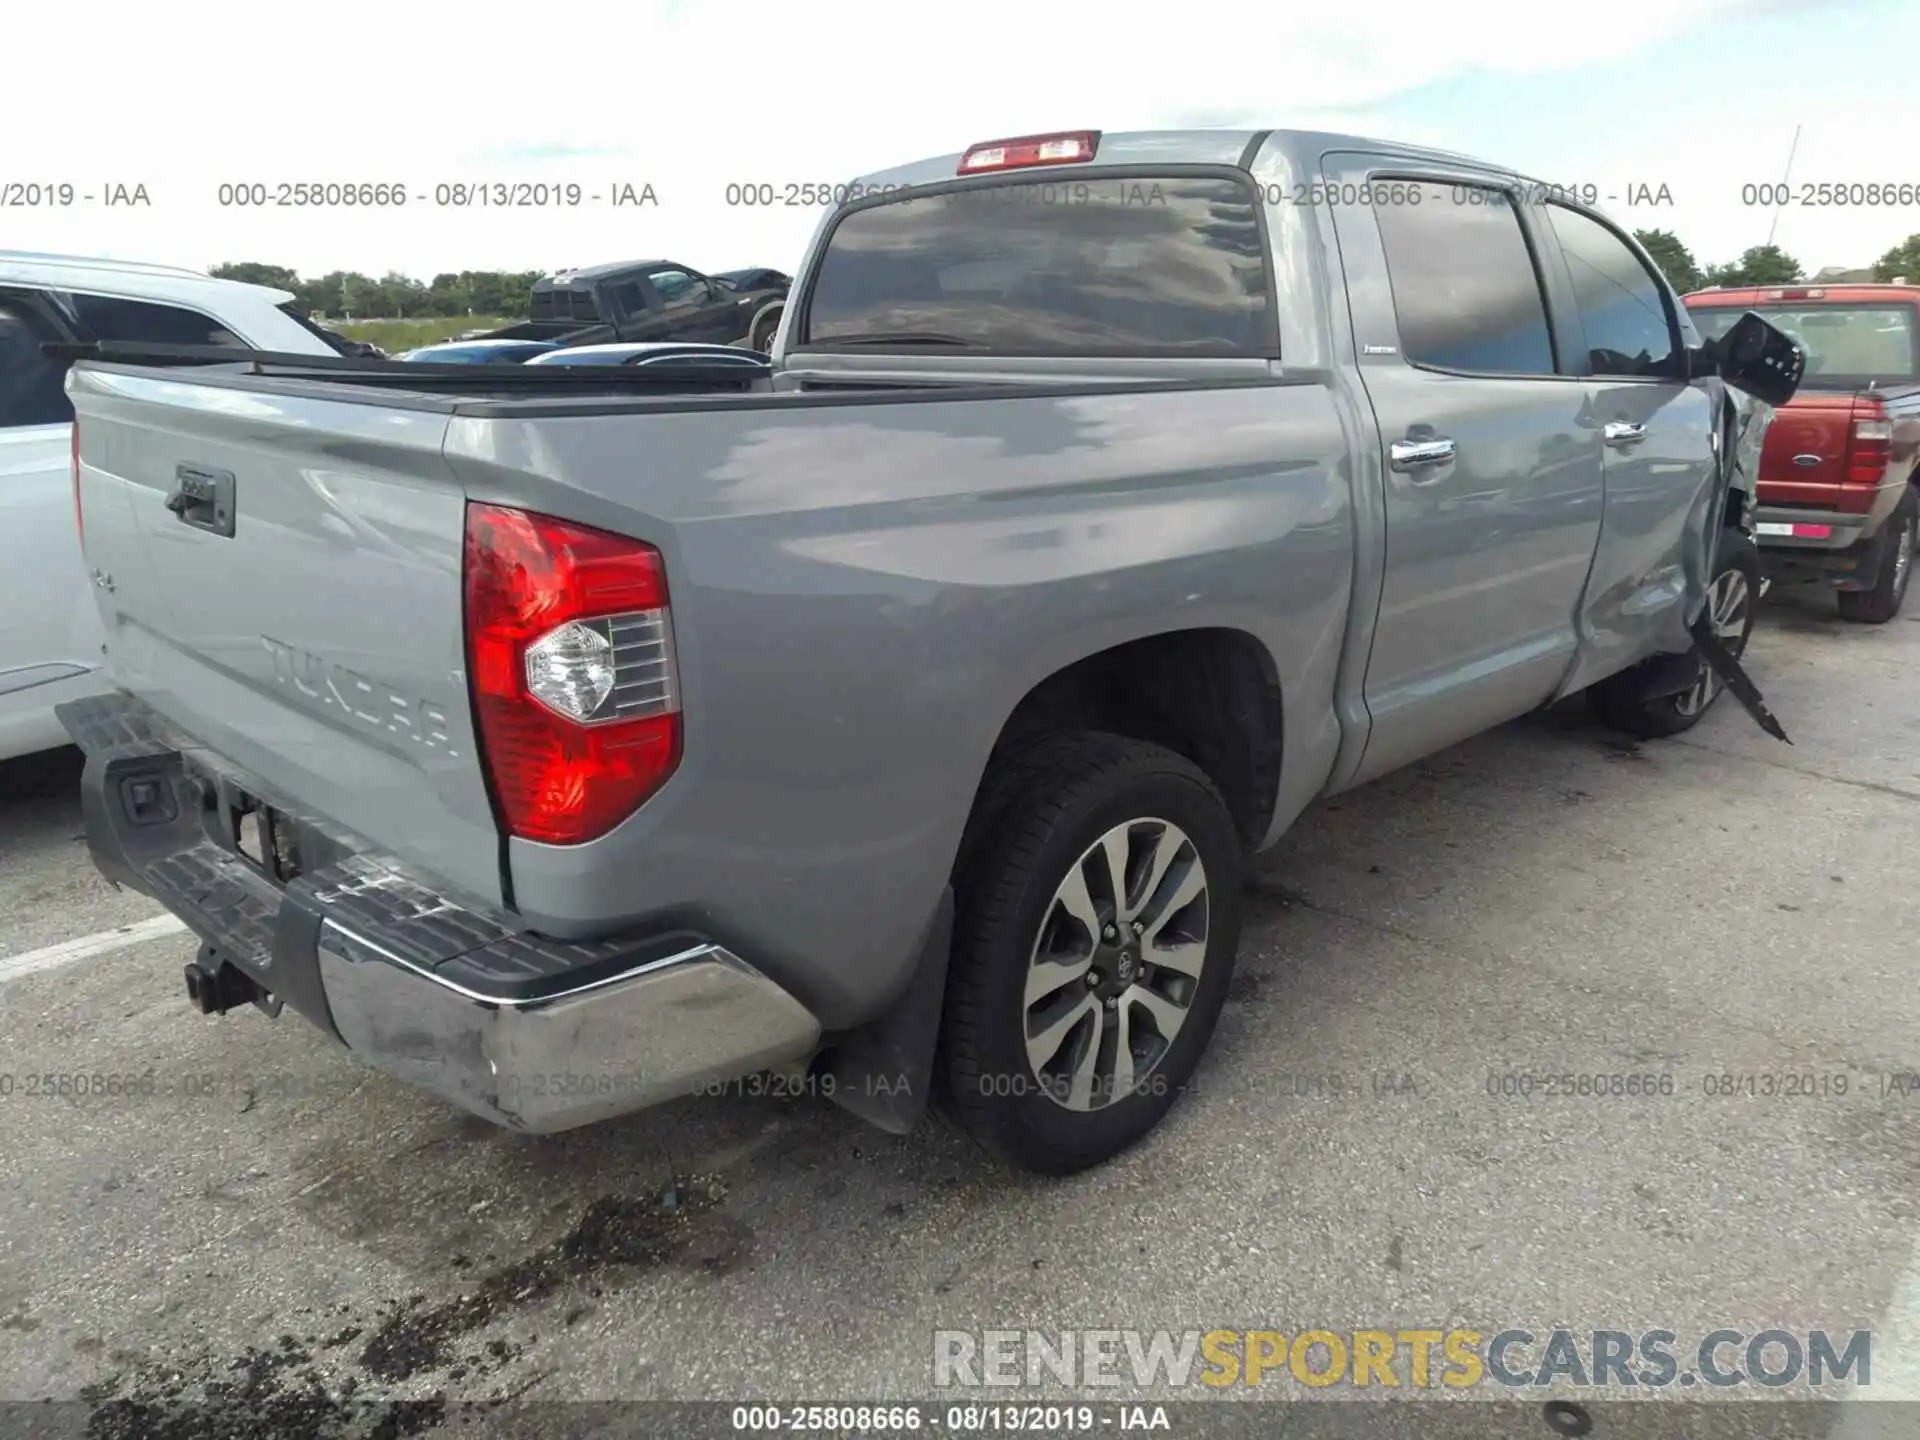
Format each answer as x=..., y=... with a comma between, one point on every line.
x=846, y=569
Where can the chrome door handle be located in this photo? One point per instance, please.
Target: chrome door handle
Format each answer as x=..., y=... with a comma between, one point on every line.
x=1406, y=455
x=1620, y=434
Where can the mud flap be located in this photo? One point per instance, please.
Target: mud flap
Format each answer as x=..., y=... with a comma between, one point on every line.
x=1721, y=661
x=883, y=1072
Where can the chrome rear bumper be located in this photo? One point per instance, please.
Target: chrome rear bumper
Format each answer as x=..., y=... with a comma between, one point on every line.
x=636, y=1039
x=534, y=1034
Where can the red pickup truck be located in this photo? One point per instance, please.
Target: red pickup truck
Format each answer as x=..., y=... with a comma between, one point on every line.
x=1837, y=503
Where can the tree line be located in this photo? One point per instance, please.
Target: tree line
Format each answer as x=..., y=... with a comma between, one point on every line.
x=1760, y=264
x=347, y=294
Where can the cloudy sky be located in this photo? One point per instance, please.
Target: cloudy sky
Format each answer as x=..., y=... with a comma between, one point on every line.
x=691, y=96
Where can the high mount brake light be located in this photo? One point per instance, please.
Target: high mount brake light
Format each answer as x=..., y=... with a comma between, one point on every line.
x=570, y=660
x=1070, y=147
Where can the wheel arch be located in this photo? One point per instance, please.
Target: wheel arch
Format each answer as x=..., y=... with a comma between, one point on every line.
x=1211, y=694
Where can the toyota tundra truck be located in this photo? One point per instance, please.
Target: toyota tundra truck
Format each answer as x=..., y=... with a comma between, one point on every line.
x=1837, y=501
x=564, y=739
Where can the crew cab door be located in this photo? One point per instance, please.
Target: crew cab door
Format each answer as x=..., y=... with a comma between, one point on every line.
x=1656, y=430
x=1491, y=460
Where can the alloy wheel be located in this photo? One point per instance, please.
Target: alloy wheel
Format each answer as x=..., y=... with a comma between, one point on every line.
x=1116, y=964
x=1728, y=602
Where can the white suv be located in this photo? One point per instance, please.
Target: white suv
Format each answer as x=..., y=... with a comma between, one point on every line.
x=50, y=636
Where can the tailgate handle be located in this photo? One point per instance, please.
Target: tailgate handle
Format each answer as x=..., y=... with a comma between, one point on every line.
x=203, y=499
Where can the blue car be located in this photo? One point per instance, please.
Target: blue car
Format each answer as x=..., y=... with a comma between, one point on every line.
x=479, y=352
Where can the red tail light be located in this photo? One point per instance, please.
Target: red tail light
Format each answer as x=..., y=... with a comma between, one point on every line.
x=1072, y=147
x=1869, y=444
x=570, y=658
x=79, y=518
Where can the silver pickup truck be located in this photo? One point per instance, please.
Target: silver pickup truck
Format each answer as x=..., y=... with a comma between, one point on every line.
x=901, y=714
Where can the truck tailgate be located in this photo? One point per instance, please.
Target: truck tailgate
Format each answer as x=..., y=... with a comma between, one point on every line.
x=1804, y=459
x=280, y=578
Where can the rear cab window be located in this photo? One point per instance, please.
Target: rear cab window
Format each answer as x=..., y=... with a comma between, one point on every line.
x=1849, y=346
x=1122, y=264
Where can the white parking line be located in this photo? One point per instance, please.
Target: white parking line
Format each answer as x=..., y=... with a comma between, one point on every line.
x=68, y=951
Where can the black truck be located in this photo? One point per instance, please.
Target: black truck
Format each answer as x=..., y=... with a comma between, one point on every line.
x=653, y=300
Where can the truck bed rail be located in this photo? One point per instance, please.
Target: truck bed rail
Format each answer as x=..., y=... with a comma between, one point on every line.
x=665, y=377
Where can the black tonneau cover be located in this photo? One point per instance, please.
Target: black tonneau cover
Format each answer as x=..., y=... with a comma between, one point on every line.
x=664, y=377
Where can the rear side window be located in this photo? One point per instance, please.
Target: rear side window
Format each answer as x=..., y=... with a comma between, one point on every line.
x=1465, y=290
x=145, y=323
x=1148, y=266
x=1623, y=309
x=31, y=383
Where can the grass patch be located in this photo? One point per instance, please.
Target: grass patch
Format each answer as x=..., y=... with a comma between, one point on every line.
x=393, y=336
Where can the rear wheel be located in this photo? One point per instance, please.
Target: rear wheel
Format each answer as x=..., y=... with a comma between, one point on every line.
x=1733, y=600
x=1099, y=912
x=1881, y=603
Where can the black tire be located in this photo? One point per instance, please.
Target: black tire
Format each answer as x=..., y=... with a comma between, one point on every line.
x=1883, y=601
x=1040, y=812
x=1613, y=700
x=764, y=327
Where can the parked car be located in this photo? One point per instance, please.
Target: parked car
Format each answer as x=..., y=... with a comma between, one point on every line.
x=910, y=713
x=1838, y=504
x=50, y=637
x=648, y=300
x=477, y=352
x=654, y=353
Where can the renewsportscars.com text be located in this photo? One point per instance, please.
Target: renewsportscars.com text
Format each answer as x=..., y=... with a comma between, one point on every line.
x=1414, y=1359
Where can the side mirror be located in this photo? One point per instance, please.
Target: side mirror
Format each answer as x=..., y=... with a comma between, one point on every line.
x=1758, y=358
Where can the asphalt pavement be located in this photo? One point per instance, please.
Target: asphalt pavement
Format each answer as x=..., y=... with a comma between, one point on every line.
x=1723, y=910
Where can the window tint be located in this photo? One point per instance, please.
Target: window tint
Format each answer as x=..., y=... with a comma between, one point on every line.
x=1621, y=305
x=1052, y=267
x=31, y=382
x=677, y=288
x=630, y=298
x=1464, y=287
x=141, y=321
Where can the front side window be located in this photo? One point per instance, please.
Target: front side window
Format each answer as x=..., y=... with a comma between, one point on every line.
x=1173, y=265
x=31, y=382
x=1465, y=290
x=1623, y=308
